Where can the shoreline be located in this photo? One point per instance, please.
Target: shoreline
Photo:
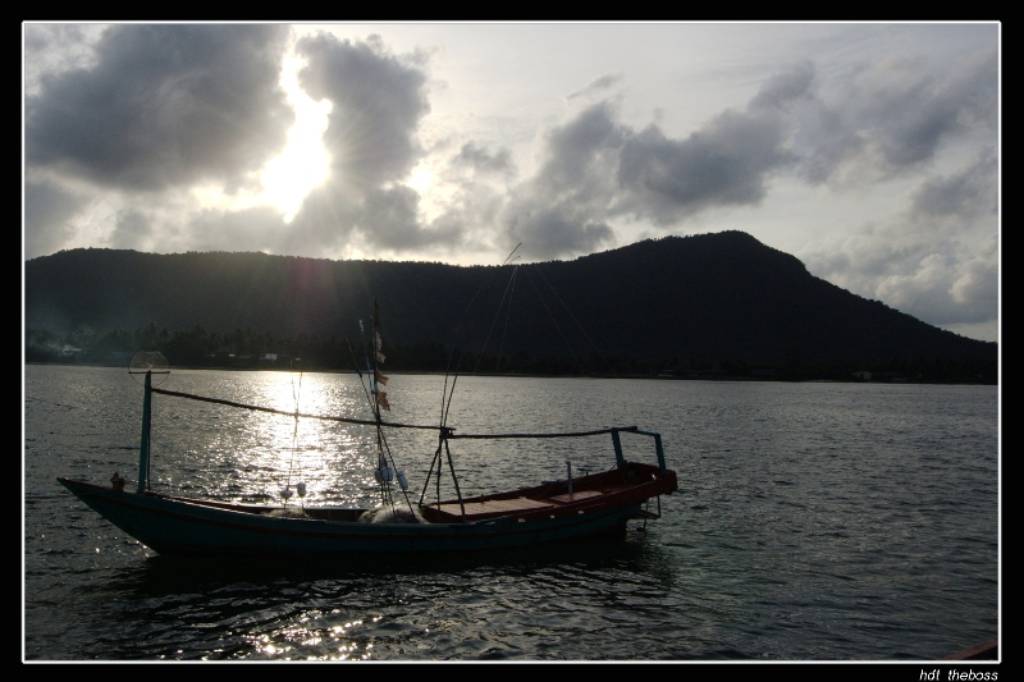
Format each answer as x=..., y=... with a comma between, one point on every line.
x=524, y=375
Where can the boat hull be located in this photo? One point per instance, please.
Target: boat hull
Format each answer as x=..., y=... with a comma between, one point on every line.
x=175, y=526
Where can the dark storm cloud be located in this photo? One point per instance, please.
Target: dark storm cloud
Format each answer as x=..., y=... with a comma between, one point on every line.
x=562, y=209
x=581, y=148
x=164, y=105
x=596, y=168
x=725, y=163
x=378, y=103
x=598, y=85
x=48, y=210
x=550, y=231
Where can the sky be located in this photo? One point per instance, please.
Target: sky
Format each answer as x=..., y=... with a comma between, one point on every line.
x=871, y=152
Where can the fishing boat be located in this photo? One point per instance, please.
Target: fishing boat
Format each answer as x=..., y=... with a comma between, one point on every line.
x=578, y=507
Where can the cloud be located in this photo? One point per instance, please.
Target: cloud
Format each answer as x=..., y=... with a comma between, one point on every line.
x=188, y=79
x=131, y=231
x=945, y=285
x=938, y=260
x=480, y=160
x=580, y=149
x=914, y=113
x=378, y=101
x=563, y=208
x=603, y=83
x=965, y=195
x=596, y=169
x=49, y=209
x=389, y=220
x=976, y=291
x=725, y=163
x=785, y=87
x=164, y=106
x=52, y=48
x=253, y=229
x=384, y=220
x=889, y=117
x=548, y=232
x=822, y=139
x=472, y=208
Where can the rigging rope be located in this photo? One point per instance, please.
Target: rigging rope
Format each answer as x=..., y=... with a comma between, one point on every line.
x=445, y=408
x=448, y=432
x=258, y=408
x=558, y=328
x=296, y=393
x=508, y=317
x=509, y=286
x=572, y=316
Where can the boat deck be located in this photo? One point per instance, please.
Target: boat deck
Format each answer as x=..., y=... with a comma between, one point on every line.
x=630, y=484
x=512, y=505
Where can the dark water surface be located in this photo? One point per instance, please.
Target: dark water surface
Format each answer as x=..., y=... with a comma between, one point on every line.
x=814, y=521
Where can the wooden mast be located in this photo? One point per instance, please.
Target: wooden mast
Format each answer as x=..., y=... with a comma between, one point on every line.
x=147, y=408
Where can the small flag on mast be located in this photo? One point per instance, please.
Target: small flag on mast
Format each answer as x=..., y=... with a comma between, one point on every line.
x=378, y=350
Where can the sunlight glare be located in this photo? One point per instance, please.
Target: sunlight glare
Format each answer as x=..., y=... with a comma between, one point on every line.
x=305, y=162
x=434, y=189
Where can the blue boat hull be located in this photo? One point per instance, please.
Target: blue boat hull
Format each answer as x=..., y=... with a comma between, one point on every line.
x=182, y=527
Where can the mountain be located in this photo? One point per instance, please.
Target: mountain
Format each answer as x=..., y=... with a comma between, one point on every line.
x=705, y=305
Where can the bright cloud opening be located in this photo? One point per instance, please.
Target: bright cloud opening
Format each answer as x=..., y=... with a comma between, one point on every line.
x=305, y=162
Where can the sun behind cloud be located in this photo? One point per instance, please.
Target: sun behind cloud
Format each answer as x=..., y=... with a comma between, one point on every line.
x=305, y=163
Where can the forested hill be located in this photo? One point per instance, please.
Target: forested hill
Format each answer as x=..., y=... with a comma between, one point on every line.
x=708, y=305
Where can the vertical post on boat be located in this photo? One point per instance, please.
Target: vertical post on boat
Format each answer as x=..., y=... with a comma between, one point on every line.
x=426, y=483
x=375, y=358
x=147, y=402
x=455, y=479
x=437, y=479
x=620, y=461
x=661, y=454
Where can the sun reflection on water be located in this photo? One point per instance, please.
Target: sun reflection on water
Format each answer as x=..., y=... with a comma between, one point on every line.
x=251, y=457
x=315, y=637
x=311, y=451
